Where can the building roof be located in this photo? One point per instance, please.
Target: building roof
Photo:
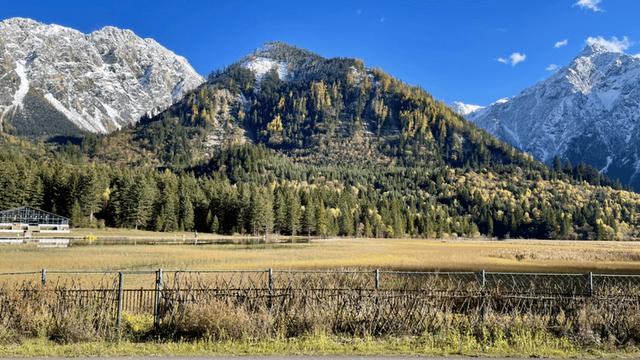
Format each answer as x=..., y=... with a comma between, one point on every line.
x=29, y=215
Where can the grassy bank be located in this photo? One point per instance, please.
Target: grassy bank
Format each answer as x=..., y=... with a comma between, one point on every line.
x=526, y=345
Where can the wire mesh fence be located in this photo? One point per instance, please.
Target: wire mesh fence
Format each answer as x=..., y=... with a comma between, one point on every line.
x=156, y=292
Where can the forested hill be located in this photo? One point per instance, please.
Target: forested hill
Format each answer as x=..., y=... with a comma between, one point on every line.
x=287, y=141
x=319, y=109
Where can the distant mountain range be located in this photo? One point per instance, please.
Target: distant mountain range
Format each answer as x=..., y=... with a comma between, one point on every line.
x=58, y=81
x=332, y=145
x=588, y=111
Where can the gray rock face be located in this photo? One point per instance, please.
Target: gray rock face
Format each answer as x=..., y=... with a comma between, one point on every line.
x=54, y=79
x=588, y=111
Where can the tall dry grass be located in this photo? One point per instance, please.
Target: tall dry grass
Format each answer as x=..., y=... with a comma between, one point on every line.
x=307, y=306
x=433, y=307
x=31, y=311
x=399, y=254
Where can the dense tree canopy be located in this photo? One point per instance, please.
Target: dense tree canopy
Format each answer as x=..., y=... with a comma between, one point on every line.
x=253, y=190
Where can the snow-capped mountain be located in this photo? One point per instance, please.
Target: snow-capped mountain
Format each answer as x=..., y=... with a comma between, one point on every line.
x=588, y=111
x=464, y=109
x=56, y=80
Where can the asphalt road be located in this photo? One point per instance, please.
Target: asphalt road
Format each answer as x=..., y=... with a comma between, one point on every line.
x=278, y=358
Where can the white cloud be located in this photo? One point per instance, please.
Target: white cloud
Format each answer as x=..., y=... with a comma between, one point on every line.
x=552, y=67
x=593, y=5
x=614, y=44
x=513, y=59
x=517, y=58
x=561, y=43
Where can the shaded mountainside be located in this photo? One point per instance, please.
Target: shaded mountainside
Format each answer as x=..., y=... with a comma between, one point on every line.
x=287, y=141
x=588, y=112
x=58, y=81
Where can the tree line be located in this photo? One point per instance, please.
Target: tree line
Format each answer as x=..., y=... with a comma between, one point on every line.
x=254, y=190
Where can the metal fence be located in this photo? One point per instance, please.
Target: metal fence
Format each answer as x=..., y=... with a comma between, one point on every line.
x=149, y=292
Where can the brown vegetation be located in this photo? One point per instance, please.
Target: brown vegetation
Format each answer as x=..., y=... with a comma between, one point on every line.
x=397, y=254
x=341, y=308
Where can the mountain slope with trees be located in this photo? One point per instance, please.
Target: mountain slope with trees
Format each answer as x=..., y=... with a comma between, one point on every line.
x=287, y=141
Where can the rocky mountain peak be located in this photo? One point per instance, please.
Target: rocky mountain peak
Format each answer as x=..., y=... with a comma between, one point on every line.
x=56, y=79
x=573, y=114
x=464, y=109
x=595, y=48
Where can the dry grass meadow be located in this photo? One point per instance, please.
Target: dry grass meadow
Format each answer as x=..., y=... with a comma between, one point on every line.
x=410, y=323
x=398, y=254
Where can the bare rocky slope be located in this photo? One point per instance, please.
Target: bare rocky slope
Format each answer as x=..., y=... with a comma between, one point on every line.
x=56, y=80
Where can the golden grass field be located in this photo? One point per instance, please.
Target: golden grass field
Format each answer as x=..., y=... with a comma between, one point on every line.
x=405, y=254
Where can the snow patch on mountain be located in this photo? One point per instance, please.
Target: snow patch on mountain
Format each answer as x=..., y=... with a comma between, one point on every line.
x=260, y=66
x=76, y=118
x=23, y=89
x=606, y=167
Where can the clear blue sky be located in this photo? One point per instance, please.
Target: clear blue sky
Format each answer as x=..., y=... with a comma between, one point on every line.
x=449, y=47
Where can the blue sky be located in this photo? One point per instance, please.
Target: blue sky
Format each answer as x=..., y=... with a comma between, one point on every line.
x=449, y=47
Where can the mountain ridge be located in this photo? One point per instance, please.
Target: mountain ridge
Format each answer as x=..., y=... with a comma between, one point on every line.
x=324, y=109
x=58, y=80
x=570, y=114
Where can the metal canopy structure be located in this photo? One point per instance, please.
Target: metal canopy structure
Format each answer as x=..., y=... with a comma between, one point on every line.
x=28, y=218
x=29, y=215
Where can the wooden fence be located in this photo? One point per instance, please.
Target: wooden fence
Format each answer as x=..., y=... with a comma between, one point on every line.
x=278, y=288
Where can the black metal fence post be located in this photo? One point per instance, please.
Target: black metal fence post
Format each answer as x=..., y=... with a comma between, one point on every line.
x=158, y=298
x=270, y=287
x=120, y=298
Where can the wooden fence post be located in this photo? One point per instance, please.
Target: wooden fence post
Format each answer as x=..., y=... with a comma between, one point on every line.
x=270, y=287
x=158, y=298
x=483, y=310
x=43, y=277
x=120, y=298
x=377, y=279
